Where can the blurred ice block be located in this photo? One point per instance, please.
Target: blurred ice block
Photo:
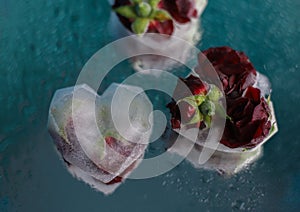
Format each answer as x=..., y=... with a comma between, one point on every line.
x=189, y=32
x=87, y=138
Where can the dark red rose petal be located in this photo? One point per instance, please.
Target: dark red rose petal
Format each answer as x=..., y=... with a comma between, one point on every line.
x=175, y=123
x=261, y=111
x=175, y=115
x=195, y=85
x=250, y=120
x=253, y=94
x=166, y=27
x=181, y=10
x=234, y=69
x=115, y=180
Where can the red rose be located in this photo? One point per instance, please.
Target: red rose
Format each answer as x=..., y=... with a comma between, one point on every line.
x=249, y=123
x=196, y=87
x=181, y=10
x=234, y=69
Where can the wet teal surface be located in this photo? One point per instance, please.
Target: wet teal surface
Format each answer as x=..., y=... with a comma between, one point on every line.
x=44, y=45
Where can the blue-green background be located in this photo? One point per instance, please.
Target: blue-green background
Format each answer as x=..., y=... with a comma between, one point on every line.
x=43, y=46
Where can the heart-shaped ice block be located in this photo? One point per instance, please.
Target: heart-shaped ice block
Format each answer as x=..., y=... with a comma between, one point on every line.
x=104, y=136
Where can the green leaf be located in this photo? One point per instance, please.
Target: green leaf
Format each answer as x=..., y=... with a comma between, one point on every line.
x=161, y=15
x=140, y=25
x=214, y=93
x=154, y=3
x=126, y=11
x=272, y=129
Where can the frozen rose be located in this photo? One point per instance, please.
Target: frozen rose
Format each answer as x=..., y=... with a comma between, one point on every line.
x=154, y=16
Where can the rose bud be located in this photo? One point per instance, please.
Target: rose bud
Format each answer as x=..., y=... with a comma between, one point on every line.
x=185, y=110
x=194, y=108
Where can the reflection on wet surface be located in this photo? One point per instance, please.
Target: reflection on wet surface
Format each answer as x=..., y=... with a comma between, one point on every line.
x=44, y=45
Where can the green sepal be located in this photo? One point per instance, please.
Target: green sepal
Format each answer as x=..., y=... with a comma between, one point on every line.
x=143, y=9
x=195, y=101
x=126, y=11
x=207, y=121
x=160, y=15
x=272, y=129
x=208, y=108
x=140, y=25
x=153, y=3
x=198, y=117
x=200, y=99
x=214, y=93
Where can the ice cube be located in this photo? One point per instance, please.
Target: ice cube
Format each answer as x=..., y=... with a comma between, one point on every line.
x=263, y=83
x=87, y=136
